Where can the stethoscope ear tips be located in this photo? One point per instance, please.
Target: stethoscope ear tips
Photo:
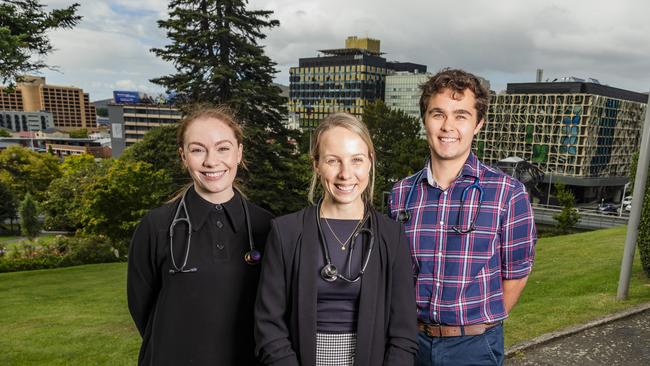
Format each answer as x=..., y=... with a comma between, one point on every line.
x=253, y=257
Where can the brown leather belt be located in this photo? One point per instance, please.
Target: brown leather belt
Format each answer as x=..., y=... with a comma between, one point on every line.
x=438, y=330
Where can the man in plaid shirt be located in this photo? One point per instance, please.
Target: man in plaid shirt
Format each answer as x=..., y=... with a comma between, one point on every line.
x=470, y=228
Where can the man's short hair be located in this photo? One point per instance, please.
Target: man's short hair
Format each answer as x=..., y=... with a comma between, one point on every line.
x=457, y=81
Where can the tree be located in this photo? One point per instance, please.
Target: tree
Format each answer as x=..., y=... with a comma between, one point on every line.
x=4, y=132
x=569, y=216
x=102, y=112
x=63, y=204
x=7, y=204
x=214, y=48
x=114, y=202
x=24, y=41
x=399, y=148
x=23, y=170
x=159, y=148
x=29, y=224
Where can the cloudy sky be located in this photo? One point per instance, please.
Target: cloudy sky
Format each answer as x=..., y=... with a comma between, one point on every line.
x=503, y=41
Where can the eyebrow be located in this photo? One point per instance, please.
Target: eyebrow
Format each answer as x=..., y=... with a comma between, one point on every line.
x=456, y=111
x=216, y=143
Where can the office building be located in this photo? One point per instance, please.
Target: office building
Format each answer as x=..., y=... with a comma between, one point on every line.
x=70, y=106
x=130, y=122
x=340, y=80
x=25, y=121
x=582, y=134
x=403, y=91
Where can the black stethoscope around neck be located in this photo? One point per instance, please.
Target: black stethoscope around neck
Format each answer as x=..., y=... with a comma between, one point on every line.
x=252, y=257
x=329, y=272
x=403, y=216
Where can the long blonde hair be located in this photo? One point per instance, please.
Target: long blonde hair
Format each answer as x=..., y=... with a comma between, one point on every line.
x=350, y=123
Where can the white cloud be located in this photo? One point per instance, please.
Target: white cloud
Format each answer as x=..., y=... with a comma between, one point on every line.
x=504, y=41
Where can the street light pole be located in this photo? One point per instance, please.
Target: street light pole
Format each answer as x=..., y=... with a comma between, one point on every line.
x=548, y=194
x=635, y=215
x=620, y=211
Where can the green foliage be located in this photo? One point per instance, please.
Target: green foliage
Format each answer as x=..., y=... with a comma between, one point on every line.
x=399, y=148
x=569, y=216
x=115, y=201
x=63, y=205
x=7, y=203
x=4, y=132
x=159, y=148
x=29, y=224
x=23, y=170
x=24, y=42
x=102, y=112
x=214, y=46
x=81, y=133
x=63, y=251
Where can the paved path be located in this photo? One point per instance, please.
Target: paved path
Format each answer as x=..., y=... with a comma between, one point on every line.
x=622, y=342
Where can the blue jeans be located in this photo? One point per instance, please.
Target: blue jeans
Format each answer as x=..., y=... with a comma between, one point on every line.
x=484, y=349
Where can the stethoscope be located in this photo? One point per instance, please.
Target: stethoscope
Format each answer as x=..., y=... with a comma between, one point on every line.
x=329, y=272
x=252, y=257
x=404, y=215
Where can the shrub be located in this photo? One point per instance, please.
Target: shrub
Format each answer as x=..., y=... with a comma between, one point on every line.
x=63, y=251
x=85, y=250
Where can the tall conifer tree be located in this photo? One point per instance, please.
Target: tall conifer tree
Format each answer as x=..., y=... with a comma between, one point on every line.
x=214, y=49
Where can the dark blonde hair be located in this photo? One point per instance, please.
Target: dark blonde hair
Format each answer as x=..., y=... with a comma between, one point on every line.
x=203, y=111
x=457, y=81
x=350, y=123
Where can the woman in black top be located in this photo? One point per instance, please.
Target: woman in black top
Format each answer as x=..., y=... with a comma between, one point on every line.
x=314, y=305
x=196, y=306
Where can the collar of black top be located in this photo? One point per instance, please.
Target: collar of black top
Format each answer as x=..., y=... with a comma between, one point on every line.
x=199, y=209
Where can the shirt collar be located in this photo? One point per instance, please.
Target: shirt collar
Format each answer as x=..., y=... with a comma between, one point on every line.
x=200, y=209
x=470, y=169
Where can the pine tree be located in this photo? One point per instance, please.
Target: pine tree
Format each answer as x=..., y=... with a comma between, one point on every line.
x=214, y=48
x=29, y=224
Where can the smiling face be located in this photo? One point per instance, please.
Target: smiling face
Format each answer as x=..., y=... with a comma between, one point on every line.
x=211, y=153
x=343, y=166
x=451, y=123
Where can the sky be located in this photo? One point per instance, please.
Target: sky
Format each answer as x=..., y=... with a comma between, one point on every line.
x=503, y=41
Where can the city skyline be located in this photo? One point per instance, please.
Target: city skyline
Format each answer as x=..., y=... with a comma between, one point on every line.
x=502, y=42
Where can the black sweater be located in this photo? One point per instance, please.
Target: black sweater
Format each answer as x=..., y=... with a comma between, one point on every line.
x=203, y=317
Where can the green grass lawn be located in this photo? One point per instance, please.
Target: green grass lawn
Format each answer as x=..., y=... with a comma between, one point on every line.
x=67, y=316
x=574, y=280
x=78, y=315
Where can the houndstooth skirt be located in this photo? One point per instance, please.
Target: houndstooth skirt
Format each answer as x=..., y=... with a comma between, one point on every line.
x=335, y=349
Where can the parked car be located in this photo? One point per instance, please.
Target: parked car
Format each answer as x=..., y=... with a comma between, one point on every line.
x=608, y=209
x=626, y=201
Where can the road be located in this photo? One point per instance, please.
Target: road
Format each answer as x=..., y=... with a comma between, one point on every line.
x=622, y=342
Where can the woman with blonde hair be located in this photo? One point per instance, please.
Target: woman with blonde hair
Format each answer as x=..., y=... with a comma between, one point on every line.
x=192, y=271
x=336, y=285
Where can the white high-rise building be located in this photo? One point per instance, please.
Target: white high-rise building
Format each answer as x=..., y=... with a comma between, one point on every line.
x=403, y=92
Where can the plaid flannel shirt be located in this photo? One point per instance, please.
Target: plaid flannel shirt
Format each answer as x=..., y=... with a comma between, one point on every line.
x=459, y=276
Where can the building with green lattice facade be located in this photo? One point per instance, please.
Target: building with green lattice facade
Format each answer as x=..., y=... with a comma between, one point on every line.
x=578, y=133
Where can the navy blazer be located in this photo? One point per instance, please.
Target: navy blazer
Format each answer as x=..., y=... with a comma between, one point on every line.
x=285, y=309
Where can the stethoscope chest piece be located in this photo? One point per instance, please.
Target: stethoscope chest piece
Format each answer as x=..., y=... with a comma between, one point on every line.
x=253, y=257
x=403, y=216
x=329, y=273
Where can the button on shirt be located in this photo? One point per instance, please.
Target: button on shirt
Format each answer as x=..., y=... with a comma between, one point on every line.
x=459, y=275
